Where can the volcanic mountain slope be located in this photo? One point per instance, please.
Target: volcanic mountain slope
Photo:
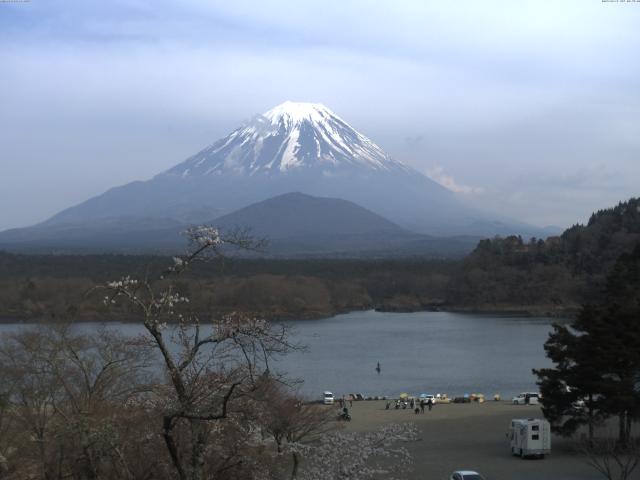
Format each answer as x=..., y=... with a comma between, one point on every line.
x=301, y=147
x=295, y=147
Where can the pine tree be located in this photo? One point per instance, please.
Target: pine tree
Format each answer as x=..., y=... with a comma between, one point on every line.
x=597, y=359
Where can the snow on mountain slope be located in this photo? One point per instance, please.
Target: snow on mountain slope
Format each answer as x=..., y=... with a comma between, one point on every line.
x=291, y=136
x=294, y=147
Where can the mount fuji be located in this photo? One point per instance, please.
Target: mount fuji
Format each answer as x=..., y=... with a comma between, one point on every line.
x=294, y=147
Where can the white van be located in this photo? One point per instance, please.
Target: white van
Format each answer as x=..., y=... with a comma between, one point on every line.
x=327, y=398
x=526, y=398
x=529, y=437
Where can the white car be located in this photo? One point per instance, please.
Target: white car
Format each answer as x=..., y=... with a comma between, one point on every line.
x=526, y=398
x=327, y=398
x=579, y=404
x=466, y=475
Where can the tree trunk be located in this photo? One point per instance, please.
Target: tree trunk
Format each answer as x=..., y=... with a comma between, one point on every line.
x=171, y=446
x=296, y=464
x=623, y=432
x=198, y=443
x=591, y=420
x=43, y=455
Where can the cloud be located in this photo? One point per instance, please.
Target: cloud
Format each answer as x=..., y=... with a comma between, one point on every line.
x=413, y=141
x=515, y=96
x=591, y=177
x=437, y=174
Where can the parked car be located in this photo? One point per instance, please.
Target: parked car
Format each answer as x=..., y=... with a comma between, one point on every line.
x=526, y=398
x=462, y=400
x=466, y=475
x=327, y=398
x=579, y=404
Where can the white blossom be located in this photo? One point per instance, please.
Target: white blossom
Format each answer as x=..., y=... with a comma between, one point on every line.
x=353, y=455
x=178, y=262
x=204, y=235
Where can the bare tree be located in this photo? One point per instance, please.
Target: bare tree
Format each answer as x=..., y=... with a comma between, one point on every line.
x=66, y=390
x=613, y=460
x=31, y=394
x=212, y=366
x=287, y=419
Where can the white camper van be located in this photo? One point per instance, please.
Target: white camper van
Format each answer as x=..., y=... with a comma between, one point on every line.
x=327, y=398
x=530, y=437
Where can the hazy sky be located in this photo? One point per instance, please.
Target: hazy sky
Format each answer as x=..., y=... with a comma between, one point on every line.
x=531, y=108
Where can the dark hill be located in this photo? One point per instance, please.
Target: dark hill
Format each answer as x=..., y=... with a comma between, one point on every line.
x=299, y=225
x=295, y=215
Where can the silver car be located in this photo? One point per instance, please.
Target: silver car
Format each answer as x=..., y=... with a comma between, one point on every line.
x=466, y=475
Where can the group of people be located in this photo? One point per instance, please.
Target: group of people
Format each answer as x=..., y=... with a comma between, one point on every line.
x=413, y=404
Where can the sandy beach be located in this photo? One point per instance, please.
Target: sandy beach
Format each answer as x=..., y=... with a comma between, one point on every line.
x=472, y=436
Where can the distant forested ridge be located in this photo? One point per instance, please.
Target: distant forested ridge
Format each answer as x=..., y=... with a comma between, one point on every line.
x=548, y=277
x=553, y=275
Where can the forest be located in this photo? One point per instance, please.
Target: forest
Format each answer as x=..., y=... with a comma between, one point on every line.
x=550, y=276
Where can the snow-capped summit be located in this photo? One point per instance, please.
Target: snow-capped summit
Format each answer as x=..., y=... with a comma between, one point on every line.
x=296, y=112
x=292, y=136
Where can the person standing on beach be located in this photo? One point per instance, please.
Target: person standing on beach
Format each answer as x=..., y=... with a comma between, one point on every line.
x=422, y=406
x=430, y=404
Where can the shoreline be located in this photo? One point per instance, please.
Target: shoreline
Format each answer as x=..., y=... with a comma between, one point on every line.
x=514, y=311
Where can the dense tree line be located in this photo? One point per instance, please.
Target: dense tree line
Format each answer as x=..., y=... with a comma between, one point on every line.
x=54, y=288
x=551, y=276
x=556, y=274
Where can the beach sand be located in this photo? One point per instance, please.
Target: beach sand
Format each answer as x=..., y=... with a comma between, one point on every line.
x=472, y=436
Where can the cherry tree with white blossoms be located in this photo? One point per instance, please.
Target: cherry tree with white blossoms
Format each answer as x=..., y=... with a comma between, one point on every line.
x=212, y=366
x=218, y=373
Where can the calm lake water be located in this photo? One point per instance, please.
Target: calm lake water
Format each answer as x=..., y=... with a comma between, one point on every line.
x=430, y=352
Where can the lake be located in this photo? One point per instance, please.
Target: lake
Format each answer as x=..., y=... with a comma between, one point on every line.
x=430, y=352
